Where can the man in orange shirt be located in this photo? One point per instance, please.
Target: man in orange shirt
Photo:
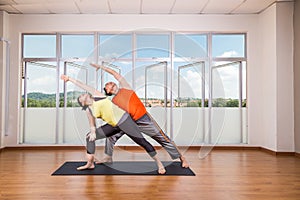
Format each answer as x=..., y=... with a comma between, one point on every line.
x=127, y=99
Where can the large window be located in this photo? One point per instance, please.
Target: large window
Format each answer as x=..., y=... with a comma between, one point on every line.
x=193, y=84
x=228, y=70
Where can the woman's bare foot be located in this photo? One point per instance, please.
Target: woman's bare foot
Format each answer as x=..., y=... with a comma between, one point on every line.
x=184, y=162
x=88, y=165
x=161, y=168
x=106, y=159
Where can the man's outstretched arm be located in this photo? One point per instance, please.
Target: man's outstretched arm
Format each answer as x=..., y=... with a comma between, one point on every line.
x=116, y=75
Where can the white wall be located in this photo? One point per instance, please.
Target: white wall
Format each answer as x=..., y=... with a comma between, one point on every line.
x=285, y=86
x=2, y=78
x=266, y=83
x=276, y=78
x=4, y=34
x=262, y=63
x=297, y=74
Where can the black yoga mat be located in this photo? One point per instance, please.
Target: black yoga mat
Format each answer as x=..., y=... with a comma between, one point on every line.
x=124, y=168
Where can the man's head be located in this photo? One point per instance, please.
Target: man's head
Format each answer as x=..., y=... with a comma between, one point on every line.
x=111, y=88
x=85, y=100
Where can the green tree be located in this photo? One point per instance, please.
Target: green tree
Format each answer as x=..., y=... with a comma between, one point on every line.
x=219, y=102
x=232, y=103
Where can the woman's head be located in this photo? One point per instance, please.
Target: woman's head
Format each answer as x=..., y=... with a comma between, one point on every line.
x=85, y=100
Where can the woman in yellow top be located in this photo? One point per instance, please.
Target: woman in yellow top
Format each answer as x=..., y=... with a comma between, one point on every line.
x=97, y=105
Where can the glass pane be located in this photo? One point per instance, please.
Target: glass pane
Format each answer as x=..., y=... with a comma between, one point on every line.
x=40, y=115
x=150, y=83
x=188, y=81
x=39, y=46
x=228, y=45
x=226, y=117
x=74, y=124
x=188, y=92
x=192, y=46
x=225, y=85
x=153, y=46
x=79, y=72
x=41, y=84
x=115, y=46
x=80, y=46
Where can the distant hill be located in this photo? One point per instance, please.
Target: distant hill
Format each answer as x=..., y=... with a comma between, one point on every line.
x=43, y=96
x=39, y=99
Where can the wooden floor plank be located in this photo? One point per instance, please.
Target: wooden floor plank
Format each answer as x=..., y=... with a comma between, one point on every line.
x=223, y=174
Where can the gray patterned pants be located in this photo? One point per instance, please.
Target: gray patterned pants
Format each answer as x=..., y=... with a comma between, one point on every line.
x=148, y=126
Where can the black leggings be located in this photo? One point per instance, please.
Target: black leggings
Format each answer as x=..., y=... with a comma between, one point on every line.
x=129, y=127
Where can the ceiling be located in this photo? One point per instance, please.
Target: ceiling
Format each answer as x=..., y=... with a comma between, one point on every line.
x=135, y=6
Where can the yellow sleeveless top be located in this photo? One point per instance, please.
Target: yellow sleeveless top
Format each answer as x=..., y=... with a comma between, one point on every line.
x=107, y=111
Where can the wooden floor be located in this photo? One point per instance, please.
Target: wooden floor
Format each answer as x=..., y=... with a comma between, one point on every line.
x=223, y=174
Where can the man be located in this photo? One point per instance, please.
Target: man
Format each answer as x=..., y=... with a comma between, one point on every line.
x=127, y=99
x=97, y=105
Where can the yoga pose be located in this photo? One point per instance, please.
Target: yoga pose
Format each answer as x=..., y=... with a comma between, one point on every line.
x=97, y=105
x=127, y=99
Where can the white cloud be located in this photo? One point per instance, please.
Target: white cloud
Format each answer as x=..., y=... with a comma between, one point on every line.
x=230, y=54
x=194, y=83
x=225, y=82
x=45, y=84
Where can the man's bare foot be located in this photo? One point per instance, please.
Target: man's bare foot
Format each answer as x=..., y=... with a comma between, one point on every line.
x=184, y=162
x=88, y=165
x=106, y=159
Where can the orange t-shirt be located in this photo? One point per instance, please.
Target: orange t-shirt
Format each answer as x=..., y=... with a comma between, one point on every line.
x=129, y=101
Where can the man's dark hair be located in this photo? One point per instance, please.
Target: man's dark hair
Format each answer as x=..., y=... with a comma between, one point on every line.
x=107, y=93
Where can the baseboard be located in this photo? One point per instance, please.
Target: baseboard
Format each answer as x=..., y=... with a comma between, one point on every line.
x=54, y=147
x=135, y=147
x=130, y=147
x=234, y=147
x=277, y=153
x=268, y=151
